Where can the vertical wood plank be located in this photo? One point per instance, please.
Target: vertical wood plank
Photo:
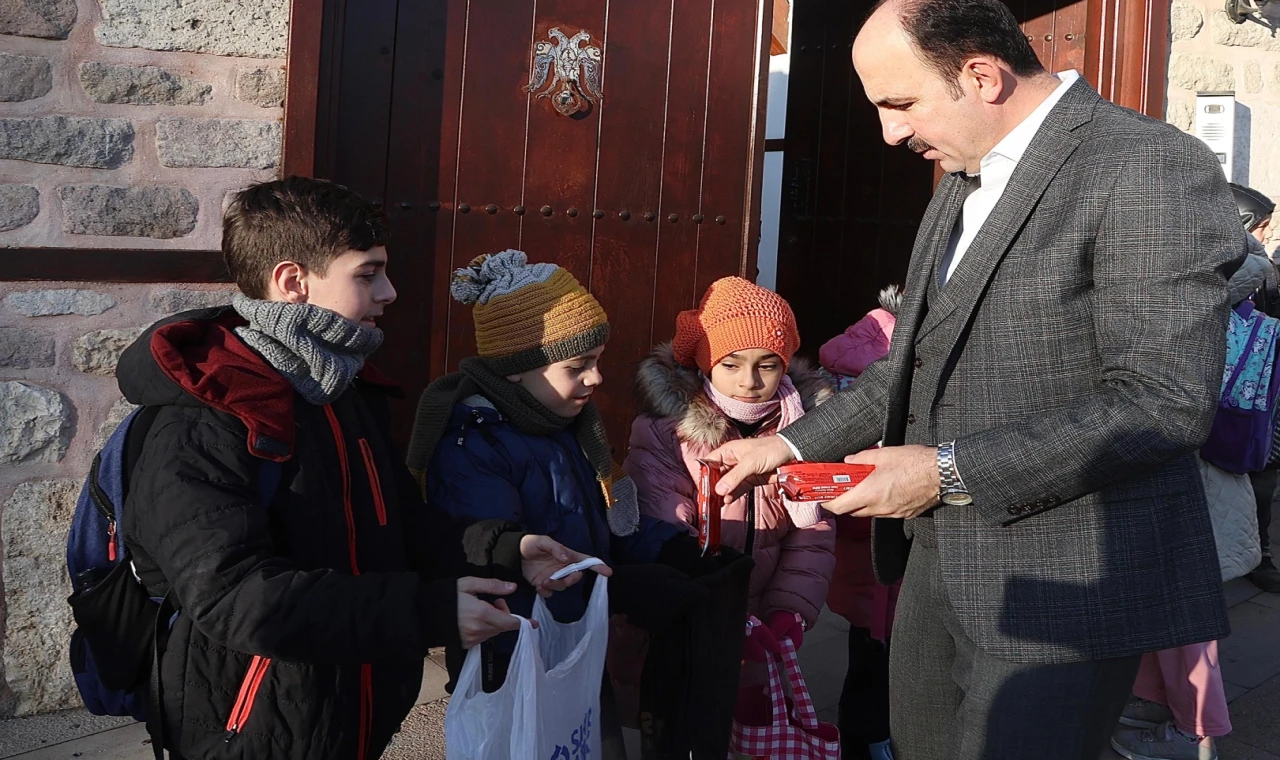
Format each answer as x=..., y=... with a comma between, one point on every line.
x=490, y=145
x=423, y=148
x=686, y=120
x=623, y=255
x=560, y=153
x=364, y=81
x=729, y=144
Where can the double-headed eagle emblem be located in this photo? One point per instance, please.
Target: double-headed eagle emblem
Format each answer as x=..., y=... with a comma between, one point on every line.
x=571, y=64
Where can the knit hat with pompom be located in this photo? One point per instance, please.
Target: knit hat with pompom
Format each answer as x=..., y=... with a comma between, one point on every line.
x=528, y=315
x=735, y=315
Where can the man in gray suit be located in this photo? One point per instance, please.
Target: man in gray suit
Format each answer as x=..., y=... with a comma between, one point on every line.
x=1056, y=364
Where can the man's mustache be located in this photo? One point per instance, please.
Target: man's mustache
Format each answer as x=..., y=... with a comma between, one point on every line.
x=918, y=145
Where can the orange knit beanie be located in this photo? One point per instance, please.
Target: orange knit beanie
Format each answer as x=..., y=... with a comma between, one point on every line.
x=735, y=315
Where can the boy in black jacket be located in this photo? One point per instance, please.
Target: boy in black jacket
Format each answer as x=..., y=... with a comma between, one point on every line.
x=304, y=622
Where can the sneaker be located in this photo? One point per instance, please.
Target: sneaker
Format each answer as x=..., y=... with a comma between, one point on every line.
x=1265, y=576
x=1164, y=742
x=1142, y=713
x=880, y=751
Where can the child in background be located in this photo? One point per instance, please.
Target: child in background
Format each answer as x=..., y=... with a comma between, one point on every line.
x=855, y=594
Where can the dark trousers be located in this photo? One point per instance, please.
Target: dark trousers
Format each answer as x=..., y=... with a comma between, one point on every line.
x=864, y=701
x=952, y=701
x=1264, y=492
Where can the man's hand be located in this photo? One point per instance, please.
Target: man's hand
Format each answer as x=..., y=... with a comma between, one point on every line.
x=543, y=556
x=754, y=462
x=478, y=620
x=905, y=483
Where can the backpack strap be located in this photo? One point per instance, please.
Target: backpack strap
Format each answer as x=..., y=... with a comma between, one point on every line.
x=155, y=700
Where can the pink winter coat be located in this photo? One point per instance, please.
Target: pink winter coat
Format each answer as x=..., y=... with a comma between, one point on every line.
x=864, y=342
x=677, y=425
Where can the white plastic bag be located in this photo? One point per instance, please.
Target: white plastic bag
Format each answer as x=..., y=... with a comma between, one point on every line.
x=549, y=706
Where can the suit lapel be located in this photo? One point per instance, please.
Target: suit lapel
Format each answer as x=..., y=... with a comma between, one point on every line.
x=1044, y=157
x=935, y=230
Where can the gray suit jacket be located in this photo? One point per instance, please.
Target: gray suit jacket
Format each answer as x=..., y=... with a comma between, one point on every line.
x=1075, y=356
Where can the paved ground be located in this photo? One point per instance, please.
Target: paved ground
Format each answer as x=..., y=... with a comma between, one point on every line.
x=1250, y=665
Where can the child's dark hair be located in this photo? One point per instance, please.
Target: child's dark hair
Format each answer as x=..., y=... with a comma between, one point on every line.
x=307, y=221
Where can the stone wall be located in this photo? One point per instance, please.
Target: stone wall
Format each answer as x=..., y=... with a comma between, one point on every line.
x=123, y=124
x=59, y=343
x=1209, y=52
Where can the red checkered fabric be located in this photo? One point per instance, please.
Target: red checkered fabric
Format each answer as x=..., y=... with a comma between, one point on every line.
x=795, y=733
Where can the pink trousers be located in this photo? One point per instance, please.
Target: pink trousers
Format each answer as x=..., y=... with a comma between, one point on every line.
x=1189, y=682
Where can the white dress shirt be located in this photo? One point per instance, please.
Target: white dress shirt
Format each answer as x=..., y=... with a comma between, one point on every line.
x=986, y=187
x=995, y=169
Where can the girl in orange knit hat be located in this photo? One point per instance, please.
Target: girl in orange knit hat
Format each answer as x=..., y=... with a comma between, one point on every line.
x=731, y=372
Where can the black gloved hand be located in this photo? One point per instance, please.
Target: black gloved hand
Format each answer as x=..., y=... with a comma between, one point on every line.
x=683, y=553
x=653, y=596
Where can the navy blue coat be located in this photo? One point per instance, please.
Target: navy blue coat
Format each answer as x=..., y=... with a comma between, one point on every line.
x=484, y=467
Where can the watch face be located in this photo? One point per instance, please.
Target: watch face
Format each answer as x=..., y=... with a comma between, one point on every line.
x=957, y=499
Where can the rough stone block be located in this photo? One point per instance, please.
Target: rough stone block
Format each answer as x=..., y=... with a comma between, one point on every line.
x=251, y=28
x=35, y=423
x=235, y=143
x=21, y=348
x=38, y=621
x=51, y=19
x=53, y=303
x=153, y=211
x=1185, y=20
x=70, y=141
x=141, y=85
x=115, y=416
x=173, y=301
x=1199, y=73
x=24, y=77
x=262, y=87
x=1181, y=114
x=1275, y=79
x=19, y=206
x=98, y=352
x=1252, y=77
x=1224, y=31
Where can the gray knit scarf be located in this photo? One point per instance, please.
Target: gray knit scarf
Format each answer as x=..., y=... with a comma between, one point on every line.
x=318, y=350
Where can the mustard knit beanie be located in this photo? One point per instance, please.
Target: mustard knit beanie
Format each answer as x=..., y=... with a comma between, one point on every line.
x=528, y=315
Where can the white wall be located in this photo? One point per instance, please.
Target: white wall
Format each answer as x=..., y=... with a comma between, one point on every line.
x=771, y=197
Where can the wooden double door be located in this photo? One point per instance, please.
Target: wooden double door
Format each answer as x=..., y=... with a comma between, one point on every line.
x=645, y=192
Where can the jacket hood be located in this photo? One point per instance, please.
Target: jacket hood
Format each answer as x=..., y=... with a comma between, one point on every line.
x=1255, y=273
x=666, y=389
x=195, y=358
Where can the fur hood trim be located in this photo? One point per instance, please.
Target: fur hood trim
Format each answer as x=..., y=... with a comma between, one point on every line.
x=667, y=390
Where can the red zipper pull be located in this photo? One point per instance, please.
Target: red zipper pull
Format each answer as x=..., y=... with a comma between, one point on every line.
x=111, y=541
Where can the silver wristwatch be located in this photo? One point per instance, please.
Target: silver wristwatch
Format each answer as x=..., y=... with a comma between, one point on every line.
x=951, y=491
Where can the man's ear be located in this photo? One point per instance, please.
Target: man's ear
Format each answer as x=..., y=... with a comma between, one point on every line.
x=288, y=283
x=986, y=77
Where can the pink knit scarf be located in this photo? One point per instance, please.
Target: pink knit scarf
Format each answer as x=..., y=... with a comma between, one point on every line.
x=787, y=399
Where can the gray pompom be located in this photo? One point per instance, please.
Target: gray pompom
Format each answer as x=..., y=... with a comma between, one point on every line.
x=464, y=288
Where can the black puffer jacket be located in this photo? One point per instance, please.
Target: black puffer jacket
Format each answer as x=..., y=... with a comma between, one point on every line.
x=304, y=623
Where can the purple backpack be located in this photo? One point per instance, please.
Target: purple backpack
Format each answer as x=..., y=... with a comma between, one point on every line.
x=1241, y=438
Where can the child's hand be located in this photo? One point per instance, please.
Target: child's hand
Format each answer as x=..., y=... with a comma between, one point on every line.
x=479, y=621
x=543, y=556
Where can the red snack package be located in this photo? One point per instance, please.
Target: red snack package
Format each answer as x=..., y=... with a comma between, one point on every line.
x=819, y=481
x=709, y=504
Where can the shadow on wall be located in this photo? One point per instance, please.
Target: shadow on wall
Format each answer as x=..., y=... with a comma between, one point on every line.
x=1243, y=137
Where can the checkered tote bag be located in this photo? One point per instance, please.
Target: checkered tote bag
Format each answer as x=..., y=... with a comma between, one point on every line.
x=795, y=733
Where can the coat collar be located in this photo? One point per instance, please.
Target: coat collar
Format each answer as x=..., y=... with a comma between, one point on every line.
x=666, y=389
x=1053, y=144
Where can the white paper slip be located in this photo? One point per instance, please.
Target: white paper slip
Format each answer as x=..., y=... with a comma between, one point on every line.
x=568, y=570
